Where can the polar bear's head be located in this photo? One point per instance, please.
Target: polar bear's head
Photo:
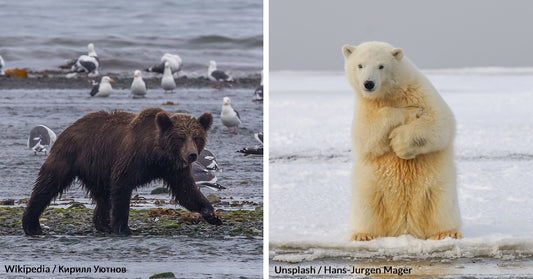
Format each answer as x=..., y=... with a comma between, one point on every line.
x=373, y=68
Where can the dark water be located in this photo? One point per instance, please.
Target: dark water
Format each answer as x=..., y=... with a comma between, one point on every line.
x=230, y=257
x=141, y=256
x=131, y=35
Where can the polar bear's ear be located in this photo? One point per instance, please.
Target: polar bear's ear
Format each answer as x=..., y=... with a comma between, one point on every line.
x=347, y=50
x=397, y=53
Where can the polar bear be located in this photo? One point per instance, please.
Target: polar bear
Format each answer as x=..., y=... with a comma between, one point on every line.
x=404, y=179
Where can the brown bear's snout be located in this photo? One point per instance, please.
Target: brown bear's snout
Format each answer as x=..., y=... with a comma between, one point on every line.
x=191, y=157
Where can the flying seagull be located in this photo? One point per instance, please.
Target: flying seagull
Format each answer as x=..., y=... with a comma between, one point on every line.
x=203, y=177
x=208, y=160
x=255, y=151
x=41, y=139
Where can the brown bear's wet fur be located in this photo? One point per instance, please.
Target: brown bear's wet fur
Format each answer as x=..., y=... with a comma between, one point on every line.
x=112, y=154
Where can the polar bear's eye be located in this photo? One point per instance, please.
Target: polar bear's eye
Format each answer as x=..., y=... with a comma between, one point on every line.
x=381, y=67
x=360, y=66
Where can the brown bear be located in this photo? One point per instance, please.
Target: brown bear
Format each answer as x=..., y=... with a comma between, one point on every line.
x=112, y=154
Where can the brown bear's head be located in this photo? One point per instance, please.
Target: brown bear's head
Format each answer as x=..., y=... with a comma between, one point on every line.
x=183, y=137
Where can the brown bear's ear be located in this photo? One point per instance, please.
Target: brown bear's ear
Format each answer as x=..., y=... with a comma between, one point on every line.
x=163, y=121
x=397, y=53
x=347, y=50
x=206, y=120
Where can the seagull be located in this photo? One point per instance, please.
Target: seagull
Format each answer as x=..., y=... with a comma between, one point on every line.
x=167, y=81
x=208, y=160
x=87, y=63
x=230, y=117
x=174, y=61
x=255, y=151
x=217, y=75
x=138, y=87
x=2, y=64
x=41, y=138
x=204, y=177
x=103, y=88
x=258, y=94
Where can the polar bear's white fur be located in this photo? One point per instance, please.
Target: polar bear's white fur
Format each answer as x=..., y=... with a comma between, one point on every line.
x=404, y=179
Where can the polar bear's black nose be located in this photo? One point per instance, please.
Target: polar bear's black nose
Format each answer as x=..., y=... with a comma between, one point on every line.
x=369, y=85
x=192, y=157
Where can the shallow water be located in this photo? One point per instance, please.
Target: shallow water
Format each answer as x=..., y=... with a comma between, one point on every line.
x=230, y=257
x=131, y=35
x=141, y=256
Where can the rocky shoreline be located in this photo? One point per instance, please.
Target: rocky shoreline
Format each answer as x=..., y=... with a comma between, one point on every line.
x=77, y=220
x=55, y=80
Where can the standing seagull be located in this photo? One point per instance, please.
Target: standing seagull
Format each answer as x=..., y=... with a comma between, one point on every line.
x=230, y=117
x=258, y=94
x=2, y=63
x=103, y=88
x=138, y=87
x=41, y=138
x=217, y=75
x=88, y=63
x=173, y=60
x=167, y=81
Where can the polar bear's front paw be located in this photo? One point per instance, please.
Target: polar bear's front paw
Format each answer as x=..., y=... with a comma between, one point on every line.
x=405, y=144
x=443, y=235
x=363, y=237
x=412, y=113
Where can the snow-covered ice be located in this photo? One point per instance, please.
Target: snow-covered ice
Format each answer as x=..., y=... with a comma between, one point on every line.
x=310, y=162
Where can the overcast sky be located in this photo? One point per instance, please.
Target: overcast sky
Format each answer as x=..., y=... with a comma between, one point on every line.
x=308, y=34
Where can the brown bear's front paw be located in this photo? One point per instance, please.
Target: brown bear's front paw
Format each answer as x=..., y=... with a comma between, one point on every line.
x=210, y=217
x=443, y=235
x=363, y=237
x=33, y=230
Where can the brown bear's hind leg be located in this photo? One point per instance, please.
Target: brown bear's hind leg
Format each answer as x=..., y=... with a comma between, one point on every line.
x=102, y=214
x=120, y=209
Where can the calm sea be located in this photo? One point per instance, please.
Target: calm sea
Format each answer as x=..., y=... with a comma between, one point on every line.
x=129, y=35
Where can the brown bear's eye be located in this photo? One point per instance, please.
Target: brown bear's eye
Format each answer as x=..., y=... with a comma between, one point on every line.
x=198, y=141
x=381, y=67
x=360, y=66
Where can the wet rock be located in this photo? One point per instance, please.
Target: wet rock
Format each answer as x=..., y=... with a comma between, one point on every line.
x=76, y=205
x=159, y=190
x=164, y=275
x=213, y=199
x=16, y=73
x=160, y=212
x=7, y=202
x=169, y=103
x=159, y=221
